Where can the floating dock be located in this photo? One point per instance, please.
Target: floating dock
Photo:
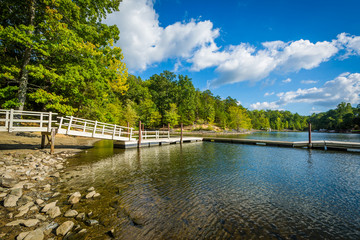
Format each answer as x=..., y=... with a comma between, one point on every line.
x=155, y=142
x=333, y=145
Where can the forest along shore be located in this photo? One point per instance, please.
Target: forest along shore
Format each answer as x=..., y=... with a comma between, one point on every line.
x=31, y=204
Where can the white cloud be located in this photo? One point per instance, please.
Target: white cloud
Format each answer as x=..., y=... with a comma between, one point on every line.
x=264, y=105
x=344, y=88
x=245, y=63
x=308, y=81
x=350, y=43
x=269, y=94
x=144, y=42
x=286, y=80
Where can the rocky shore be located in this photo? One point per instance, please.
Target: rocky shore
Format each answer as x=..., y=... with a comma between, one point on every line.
x=31, y=204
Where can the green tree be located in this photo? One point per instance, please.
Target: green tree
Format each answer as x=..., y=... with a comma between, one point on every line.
x=171, y=116
x=239, y=118
x=57, y=55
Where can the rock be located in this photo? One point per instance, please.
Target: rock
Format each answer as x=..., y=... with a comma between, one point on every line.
x=71, y=213
x=59, y=166
x=8, y=180
x=96, y=195
x=82, y=231
x=47, y=187
x=22, y=235
x=29, y=185
x=39, y=201
x=26, y=206
x=22, y=213
x=37, y=234
x=91, y=222
x=2, y=195
x=30, y=222
x=40, y=217
x=48, y=229
x=48, y=206
x=55, y=194
x=91, y=189
x=90, y=214
x=24, y=200
x=16, y=192
x=64, y=228
x=34, y=208
x=90, y=195
x=10, y=201
x=80, y=216
x=54, y=212
x=14, y=223
x=74, y=198
x=56, y=175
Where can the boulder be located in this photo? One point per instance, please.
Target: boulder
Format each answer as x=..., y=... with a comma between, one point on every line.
x=30, y=222
x=71, y=213
x=37, y=234
x=48, y=206
x=11, y=200
x=64, y=228
x=74, y=198
x=90, y=194
x=54, y=212
x=8, y=180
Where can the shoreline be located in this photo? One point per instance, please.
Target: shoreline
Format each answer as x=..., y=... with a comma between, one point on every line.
x=32, y=203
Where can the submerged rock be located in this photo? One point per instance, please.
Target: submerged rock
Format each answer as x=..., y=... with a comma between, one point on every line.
x=64, y=228
x=71, y=213
x=74, y=198
x=90, y=194
x=37, y=234
x=48, y=206
x=30, y=222
x=54, y=212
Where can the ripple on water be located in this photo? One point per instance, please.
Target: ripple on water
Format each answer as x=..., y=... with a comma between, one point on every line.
x=221, y=191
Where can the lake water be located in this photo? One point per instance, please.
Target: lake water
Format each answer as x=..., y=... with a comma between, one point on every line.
x=223, y=191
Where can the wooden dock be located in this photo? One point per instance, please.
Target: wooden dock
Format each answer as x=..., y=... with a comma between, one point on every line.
x=155, y=142
x=331, y=145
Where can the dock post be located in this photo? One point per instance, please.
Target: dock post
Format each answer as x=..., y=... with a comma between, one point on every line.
x=139, y=142
x=181, y=135
x=50, y=122
x=310, y=144
x=52, y=147
x=42, y=141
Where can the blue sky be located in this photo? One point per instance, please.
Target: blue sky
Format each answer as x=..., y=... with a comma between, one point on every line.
x=301, y=56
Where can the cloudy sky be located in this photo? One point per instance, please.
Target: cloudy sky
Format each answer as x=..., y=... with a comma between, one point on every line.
x=302, y=56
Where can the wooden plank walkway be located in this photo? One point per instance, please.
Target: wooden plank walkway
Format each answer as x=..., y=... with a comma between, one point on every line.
x=334, y=145
x=155, y=142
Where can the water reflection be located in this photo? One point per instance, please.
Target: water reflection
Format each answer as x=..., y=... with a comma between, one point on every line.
x=220, y=191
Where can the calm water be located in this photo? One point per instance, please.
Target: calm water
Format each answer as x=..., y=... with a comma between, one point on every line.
x=223, y=191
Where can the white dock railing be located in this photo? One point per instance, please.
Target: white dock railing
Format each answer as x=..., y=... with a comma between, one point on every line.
x=155, y=134
x=87, y=128
x=25, y=121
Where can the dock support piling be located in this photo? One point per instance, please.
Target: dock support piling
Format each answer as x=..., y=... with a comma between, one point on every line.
x=310, y=144
x=52, y=147
x=181, y=135
x=42, y=141
x=139, y=142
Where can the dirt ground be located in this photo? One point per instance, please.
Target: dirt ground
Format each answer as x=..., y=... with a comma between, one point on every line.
x=28, y=142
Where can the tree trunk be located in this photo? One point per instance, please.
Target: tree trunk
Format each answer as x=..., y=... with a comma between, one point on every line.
x=24, y=74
